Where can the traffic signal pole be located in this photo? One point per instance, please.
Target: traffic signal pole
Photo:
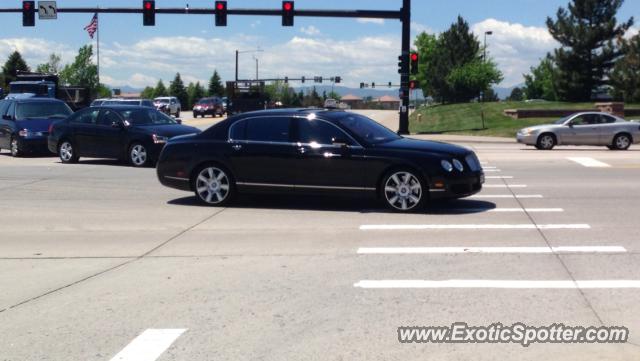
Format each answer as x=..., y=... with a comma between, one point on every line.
x=404, y=15
x=404, y=76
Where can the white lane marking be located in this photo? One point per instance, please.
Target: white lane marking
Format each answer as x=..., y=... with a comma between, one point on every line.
x=448, y=250
x=517, y=284
x=504, y=186
x=519, y=196
x=397, y=227
x=499, y=177
x=487, y=167
x=589, y=162
x=498, y=210
x=491, y=170
x=149, y=345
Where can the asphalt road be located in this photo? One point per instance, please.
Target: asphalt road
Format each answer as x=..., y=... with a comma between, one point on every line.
x=95, y=254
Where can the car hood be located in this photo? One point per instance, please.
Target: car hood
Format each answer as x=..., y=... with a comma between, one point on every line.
x=425, y=146
x=540, y=127
x=36, y=125
x=169, y=130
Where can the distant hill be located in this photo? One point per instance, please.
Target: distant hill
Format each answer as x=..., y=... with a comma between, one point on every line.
x=503, y=93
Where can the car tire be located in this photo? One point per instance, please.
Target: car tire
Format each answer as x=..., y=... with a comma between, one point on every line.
x=178, y=113
x=213, y=185
x=403, y=190
x=14, y=148
x=67, y=153
x=138, y=155
x=621, y=142
x=546, y=141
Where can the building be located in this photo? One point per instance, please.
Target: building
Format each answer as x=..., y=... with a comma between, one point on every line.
x=353, y=101
x=388, y=102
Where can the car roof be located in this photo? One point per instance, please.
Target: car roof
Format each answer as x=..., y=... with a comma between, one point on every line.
x=36, y=100
x=329, y=113
x=121, y=107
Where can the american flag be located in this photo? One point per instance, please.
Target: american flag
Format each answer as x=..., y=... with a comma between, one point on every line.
x=93, y=26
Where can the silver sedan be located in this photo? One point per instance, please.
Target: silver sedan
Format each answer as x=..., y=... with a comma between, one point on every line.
x=592, y=128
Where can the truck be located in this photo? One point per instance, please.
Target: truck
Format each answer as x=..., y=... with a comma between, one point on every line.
x=245, y=96
x=48, y=85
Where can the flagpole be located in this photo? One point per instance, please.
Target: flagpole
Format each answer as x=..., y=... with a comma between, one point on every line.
x=98, y=53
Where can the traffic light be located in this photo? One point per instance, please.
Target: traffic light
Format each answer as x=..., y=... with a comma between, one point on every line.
x=338, y=80
x=286, y=80
x=390, y=85
x=402, y=65
x=287, y=13
x=373, y=85
x=413, y=84
x=303, y=79
x=414, y=63
x=361, y=85
x=221, y=13
x=28, y=13
x=149, y=13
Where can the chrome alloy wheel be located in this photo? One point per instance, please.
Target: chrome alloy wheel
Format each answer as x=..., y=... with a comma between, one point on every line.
x=547, y=142
x=138, y=155
x=15, y=151
x=403, y=191
x=622, y=142
x=66, y=152
x=212, y=185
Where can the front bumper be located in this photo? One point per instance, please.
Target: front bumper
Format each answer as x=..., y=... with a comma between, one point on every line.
x=530, y=139
x=456, y=186
x=33, y=145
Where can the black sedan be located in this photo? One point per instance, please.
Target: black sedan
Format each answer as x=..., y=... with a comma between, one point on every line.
x=133, y=133
x=311, y=151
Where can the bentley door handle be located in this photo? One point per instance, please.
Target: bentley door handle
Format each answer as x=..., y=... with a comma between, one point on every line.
x=237, y=146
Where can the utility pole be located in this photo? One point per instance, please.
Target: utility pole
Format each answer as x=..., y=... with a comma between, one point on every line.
x=404, y=77
x=237, y=52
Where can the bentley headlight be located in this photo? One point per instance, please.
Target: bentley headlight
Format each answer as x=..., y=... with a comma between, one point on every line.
x=446, y=165
x=458, y=165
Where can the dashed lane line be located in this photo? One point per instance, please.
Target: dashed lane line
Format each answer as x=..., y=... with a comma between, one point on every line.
x=589, y=162
x=149, y=345
x=503, y=284
x=500, y=250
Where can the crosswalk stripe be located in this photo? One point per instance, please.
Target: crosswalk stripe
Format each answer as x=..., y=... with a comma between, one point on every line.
x=149, y=345
x=468, y=250
x=589, y=162
x=504, y=186
x=515, y=284
x=396, y=227
x=520, y=196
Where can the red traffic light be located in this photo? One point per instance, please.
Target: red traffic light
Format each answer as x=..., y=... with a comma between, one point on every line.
x=220, y=6
x=287, y=5
x=26, y=5
x=147, y=5
x=414, y=56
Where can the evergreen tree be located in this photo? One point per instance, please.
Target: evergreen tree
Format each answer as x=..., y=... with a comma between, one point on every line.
x=52, y=66
x=178, y=90
x=215, y=85
x=426, y=45
x=517, y=95
x=196, y=92
x=160, y=90
x=10, y=69
x=625, y=77
x=586, y=33
x=190, y=96
x=147, y=93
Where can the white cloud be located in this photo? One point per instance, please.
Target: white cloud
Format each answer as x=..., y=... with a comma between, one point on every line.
x=515, y=47
x=370, y=21
x=633, y=31
x=420, y=28
x=36, y=50
x=310, y=30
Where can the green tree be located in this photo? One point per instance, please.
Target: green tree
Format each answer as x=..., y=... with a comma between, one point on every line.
x=540, y=84
x=52, y=66
x=490, y=95
x=147, y=93
x=469, y=80
x=215, y=85
x=517, y=95
x=426, y=46
x=82, y=72
x=625, y=77
x=333, y=95
x=196, y=92
x=177, y=89
x=586, y=33
x=10, y=69
x=160, y=90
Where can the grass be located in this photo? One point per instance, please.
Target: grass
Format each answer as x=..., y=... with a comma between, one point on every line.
x=466, y=118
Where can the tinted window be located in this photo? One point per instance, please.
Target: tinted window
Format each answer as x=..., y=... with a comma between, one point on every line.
x=11, y=110
x=145, y=116
x=147, y=103
x=268, y=129
x=4, y=105
x=586, y=119
x=109, y=117
x=238, y=130
x=367, y=129
x=89, y=116
x=46, y=110
x=607, y=119
x=319, y=131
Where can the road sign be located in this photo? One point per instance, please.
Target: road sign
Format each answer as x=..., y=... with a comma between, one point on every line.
x=47, y=10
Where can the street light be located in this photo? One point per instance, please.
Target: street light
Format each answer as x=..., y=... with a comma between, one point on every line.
x=256, y=59
x=484, y=57
x=258, y=50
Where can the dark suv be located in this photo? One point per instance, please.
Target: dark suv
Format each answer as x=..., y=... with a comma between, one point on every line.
x=25, y=123
x=208, y=106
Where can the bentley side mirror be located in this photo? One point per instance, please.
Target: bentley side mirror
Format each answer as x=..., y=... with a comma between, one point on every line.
x=6, y=117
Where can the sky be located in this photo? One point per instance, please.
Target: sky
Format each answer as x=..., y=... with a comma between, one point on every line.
x=358, y=50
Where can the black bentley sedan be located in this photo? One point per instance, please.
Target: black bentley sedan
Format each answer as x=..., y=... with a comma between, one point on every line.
x=132, y=133
x=315, y=151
